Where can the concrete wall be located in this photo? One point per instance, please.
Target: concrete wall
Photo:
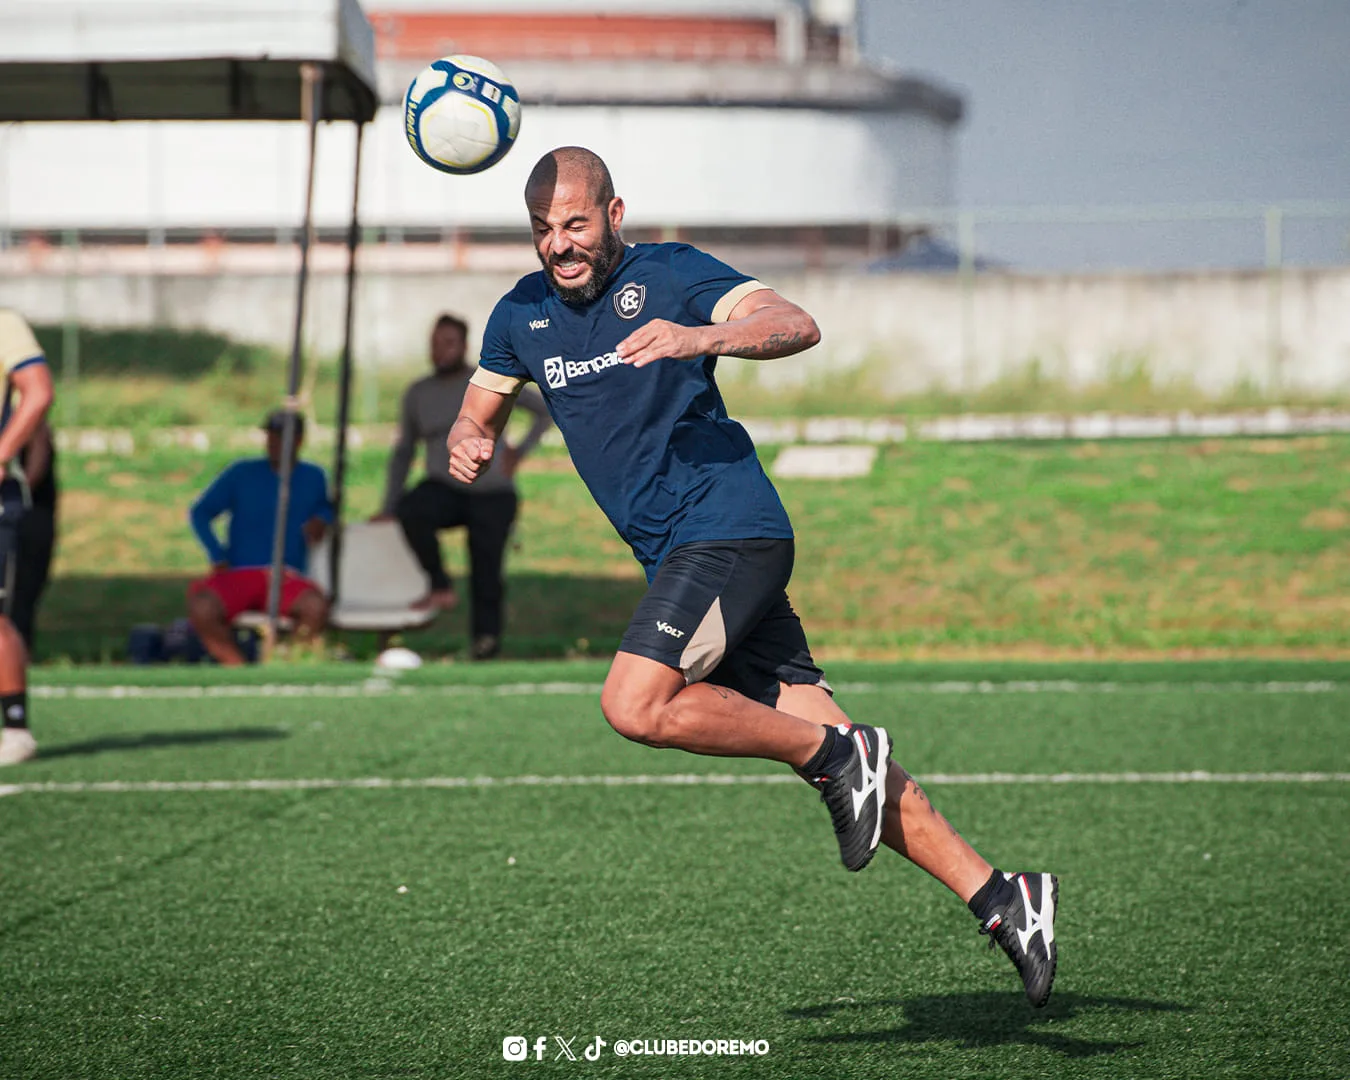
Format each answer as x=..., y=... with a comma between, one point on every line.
x=912, y=332
x=865, y=166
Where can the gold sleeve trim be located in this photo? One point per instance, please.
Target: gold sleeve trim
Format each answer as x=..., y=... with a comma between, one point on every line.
x=724, y=307
x=496, y=382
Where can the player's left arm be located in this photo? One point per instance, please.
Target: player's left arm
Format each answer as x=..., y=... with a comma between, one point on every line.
x=762, y=326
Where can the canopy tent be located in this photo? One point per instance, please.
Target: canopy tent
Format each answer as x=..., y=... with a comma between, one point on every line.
x=182, y=59
x=307, y=60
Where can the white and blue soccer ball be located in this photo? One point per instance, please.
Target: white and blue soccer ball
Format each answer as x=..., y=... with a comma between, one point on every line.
x=461, y=114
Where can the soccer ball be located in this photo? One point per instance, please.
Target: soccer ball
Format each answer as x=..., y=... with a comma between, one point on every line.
x=461, y=114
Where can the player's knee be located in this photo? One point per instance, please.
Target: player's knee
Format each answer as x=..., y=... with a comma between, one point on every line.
x=638, y=717
x=311, y=609
x=205, y=607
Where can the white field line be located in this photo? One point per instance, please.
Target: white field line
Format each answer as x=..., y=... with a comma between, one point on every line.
x=647, y=780
x=379, y=687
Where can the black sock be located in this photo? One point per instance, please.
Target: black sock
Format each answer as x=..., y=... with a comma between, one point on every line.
x=832, y=756
x=993, y=895
x=15, y=709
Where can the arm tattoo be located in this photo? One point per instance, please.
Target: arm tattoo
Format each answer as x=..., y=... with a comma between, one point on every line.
x=771, y=346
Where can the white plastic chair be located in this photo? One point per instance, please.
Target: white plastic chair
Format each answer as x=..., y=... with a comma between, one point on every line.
x=381, y=580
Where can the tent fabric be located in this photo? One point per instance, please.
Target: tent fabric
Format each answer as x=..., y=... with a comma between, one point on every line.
x=79, y=60
x=182, y=59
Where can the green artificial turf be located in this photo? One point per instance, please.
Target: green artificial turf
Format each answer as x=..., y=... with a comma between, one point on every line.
x=262, y=933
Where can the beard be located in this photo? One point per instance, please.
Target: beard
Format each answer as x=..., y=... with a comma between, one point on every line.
x=602, y=262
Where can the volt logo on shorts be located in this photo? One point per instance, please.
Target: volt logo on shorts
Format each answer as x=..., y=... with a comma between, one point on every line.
x=666, y=628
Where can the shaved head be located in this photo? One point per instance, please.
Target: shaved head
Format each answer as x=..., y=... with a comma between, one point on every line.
x=571, y=164
x=575, y=217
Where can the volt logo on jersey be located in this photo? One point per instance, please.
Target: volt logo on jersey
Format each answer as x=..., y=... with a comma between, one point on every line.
x=628, y=300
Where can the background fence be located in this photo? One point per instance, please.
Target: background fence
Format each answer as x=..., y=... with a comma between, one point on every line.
x=1189, y=304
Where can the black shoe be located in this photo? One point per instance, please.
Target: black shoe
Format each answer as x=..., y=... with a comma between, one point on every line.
x=1026, y=930
x=485, y=647
x=857, y=794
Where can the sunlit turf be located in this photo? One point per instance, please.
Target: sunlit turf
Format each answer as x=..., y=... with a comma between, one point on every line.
x=1116, y=550
x=264, y=933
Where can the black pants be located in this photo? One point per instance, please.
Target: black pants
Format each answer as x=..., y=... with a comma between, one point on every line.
x=432, y=506
x=37, y=538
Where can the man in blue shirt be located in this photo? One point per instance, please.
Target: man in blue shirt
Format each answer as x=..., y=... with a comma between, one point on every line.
x=241, y=567
x=623, y=341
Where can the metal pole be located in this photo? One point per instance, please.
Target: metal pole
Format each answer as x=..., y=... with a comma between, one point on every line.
x=311, y=76
x=370, y=384
x=965, y=240
x=345, y=383
x=1274, y=297
x=70, y=332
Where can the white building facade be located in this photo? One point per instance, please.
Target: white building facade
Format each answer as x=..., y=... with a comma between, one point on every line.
x=735, y=115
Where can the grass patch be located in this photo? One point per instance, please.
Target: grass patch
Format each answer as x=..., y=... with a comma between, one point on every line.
x=143, y=378
x=1121, y=549
x=867, y=390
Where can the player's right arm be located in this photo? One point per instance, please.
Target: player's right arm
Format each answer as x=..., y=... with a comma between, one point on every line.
x=474, y=434
x=488, y=399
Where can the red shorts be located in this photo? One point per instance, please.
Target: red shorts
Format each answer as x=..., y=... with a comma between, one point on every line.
x=246, y=590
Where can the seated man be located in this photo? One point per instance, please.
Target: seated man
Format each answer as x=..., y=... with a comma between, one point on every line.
x=442, y=502
x=241, y=568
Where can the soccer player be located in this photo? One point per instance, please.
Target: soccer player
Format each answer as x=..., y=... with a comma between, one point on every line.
x=622, y=340
x=27, y=397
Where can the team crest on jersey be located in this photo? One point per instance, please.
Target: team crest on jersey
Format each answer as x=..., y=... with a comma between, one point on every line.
x=628, y=301
x=554, y=372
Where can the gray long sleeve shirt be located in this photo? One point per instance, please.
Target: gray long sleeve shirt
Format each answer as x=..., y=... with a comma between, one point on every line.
x=429, y=409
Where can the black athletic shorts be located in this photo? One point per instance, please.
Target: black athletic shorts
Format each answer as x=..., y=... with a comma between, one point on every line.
x=13, y=502
x=718, y=612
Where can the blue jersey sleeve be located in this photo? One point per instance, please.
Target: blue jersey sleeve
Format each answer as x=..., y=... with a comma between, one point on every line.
x=498, y=355
x=704, y=281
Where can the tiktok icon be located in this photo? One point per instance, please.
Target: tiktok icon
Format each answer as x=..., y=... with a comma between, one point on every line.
x=592, y=1052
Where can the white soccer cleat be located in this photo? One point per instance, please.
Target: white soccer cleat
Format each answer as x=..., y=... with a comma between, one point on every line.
x=17, y=745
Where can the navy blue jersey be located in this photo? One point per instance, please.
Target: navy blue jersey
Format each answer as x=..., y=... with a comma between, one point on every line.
x=654, y=444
